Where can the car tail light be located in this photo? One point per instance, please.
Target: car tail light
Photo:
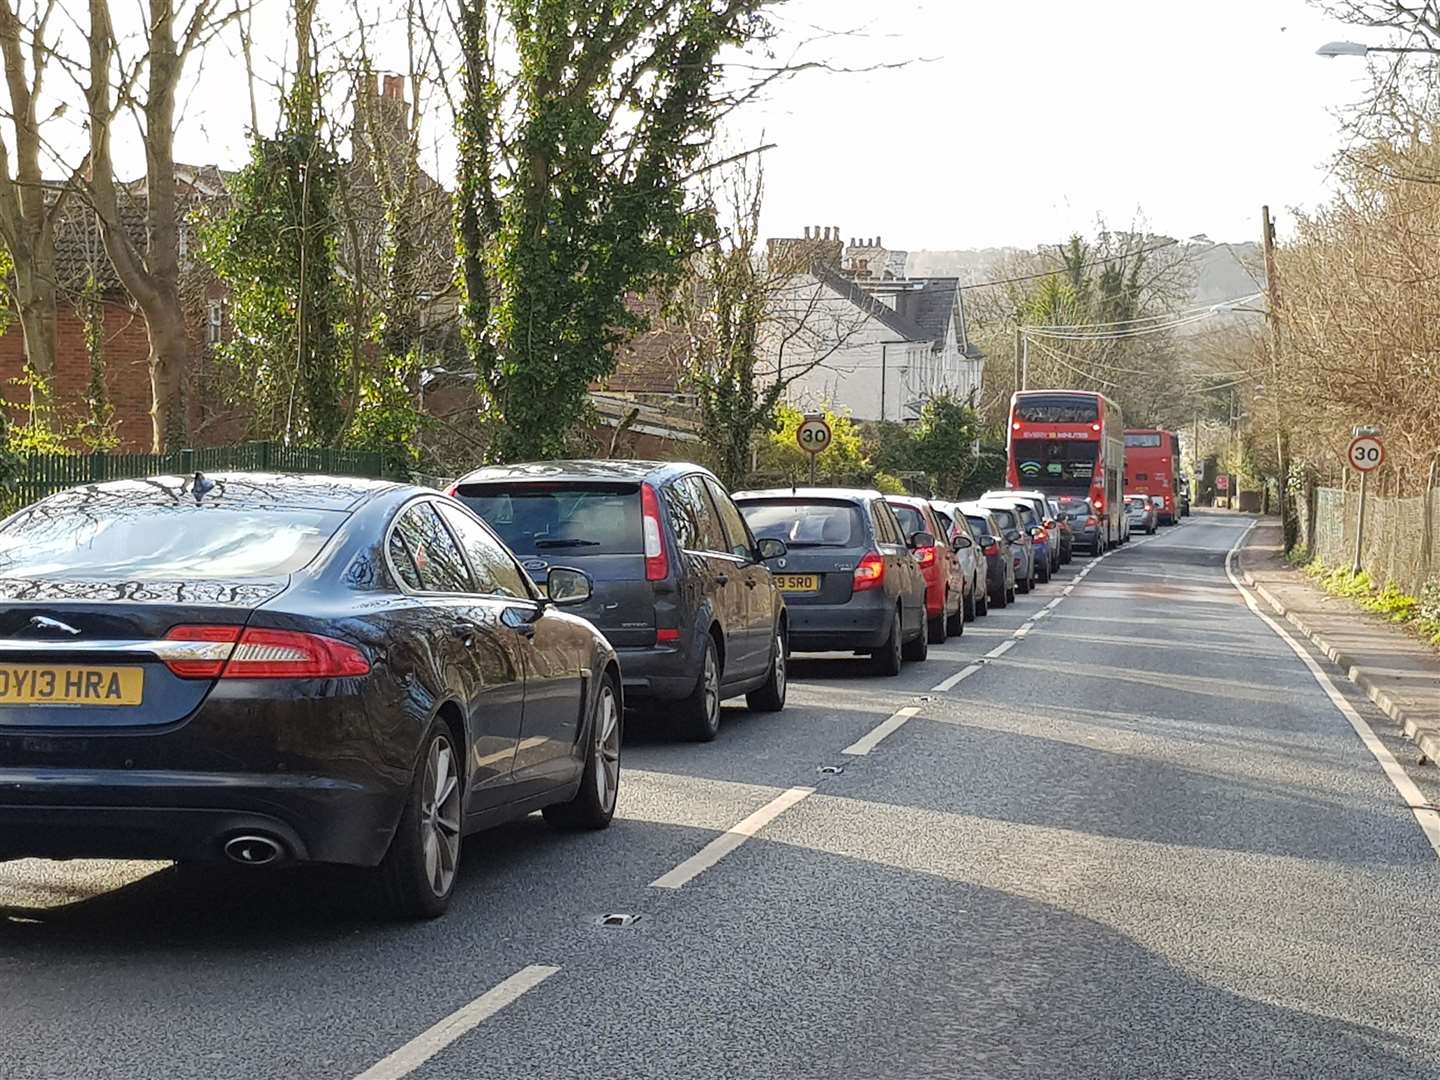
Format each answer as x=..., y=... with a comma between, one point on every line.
x=993, y=549
x=870, y=573
x=1039, y=534
x=657, y=564
x=1092, y=520
x=454, y=490
x=925, y=556
x=1049, y=523
x=255, y=653
x=1099, y=504
x=665, y=635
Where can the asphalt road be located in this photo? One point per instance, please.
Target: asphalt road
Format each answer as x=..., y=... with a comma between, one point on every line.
x=1136, y=841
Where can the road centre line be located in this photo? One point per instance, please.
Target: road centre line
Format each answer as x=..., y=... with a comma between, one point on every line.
x=738, y=833
x=867, y=742
x=1427, y=818
x=954, y=680
x=1002, y=648
x=426, y=1045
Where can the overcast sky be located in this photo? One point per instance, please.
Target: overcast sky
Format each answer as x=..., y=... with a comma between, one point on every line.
x=1016, y=122
x=1035, y=116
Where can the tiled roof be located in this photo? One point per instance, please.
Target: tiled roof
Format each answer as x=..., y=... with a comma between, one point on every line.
x=900, y=323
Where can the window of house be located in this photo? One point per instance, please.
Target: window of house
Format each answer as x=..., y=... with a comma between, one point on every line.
x=215, y=322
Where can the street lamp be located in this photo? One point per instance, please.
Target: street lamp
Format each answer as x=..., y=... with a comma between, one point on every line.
x=1332, y=49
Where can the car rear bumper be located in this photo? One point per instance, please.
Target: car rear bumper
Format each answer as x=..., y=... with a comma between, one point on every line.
x=659, y=671
x=863, y=622
x=150, y=814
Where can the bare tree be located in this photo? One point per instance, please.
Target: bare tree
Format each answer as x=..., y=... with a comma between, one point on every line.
x=29, y=208
x=752, y=324
x=149, y=267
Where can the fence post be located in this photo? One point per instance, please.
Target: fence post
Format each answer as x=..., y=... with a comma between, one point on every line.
x=265, y=456
x=187, y=462
x=1427, y=523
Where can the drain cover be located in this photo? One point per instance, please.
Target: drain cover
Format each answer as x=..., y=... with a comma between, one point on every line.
x=617, y=919
x=830, y=770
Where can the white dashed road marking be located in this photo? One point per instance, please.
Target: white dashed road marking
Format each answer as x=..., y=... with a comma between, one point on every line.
x=429, y=1043
x=736, y=835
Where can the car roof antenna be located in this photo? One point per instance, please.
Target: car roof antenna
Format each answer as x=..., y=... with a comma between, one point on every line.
x=201, y=486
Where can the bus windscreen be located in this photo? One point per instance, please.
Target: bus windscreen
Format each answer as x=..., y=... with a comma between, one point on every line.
x=1056, y=463
x=1056, y=409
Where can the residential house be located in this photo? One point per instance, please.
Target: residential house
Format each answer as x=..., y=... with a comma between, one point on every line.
x=853, y=335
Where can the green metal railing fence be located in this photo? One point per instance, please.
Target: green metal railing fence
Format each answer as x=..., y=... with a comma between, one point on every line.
x=39, y=475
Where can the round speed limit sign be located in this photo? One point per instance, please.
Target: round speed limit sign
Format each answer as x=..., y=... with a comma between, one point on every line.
x=813, y=434
x=1366, y=453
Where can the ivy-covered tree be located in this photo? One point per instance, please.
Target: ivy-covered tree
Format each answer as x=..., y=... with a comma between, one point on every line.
x=945, y=442
x=275, y=247
x=572, y=186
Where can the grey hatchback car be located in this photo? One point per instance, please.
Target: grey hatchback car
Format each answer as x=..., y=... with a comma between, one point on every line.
x=850, y=577
x=681, y=589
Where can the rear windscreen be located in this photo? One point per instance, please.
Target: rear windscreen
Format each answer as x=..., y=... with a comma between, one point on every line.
x=74, y=536
x=911, y=520
x=806, y=524
x=1150, y=438
x=586, y=519
x=979, y=526
x=1006, y=518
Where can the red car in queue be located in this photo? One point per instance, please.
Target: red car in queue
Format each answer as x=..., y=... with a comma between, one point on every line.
x=946, y=589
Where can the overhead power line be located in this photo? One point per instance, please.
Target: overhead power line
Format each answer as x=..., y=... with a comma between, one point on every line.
x=1068, y=269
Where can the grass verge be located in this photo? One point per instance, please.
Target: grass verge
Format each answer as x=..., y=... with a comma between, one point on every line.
x=1421, y=614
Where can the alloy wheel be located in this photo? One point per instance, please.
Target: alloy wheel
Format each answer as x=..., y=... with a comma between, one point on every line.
x=440, y=816
x=712, y=686
x=607, y=748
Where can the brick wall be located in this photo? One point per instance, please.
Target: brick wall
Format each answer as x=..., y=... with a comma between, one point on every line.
x=127, y=374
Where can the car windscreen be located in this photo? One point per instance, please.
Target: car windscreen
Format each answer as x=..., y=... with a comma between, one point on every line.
x=805, y=523
x=1075, y=507
x=588, y=519
x=90, y=534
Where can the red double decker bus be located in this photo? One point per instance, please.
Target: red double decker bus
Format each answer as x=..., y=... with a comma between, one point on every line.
x=1151, y=457
x=1070, y=442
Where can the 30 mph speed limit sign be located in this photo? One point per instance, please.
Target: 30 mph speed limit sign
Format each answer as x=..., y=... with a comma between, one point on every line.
x=1366, y=453
x=813, y=434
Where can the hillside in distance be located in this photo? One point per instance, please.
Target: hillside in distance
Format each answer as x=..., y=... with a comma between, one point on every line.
x=1220, y=271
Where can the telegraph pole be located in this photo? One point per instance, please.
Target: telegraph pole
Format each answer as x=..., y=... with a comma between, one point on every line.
x=1019, y=354
x=1272, y=316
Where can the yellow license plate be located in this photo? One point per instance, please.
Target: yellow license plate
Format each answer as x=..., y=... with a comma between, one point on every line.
x=67, y=684
x=798, y=582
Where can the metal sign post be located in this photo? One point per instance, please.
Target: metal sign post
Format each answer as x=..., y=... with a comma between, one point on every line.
x=813, y=435
x=1366, y=454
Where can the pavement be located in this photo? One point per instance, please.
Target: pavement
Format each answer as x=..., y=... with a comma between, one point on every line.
x=1119, y=829
x=1396, y=670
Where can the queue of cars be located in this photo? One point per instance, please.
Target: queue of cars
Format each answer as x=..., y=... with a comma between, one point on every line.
x=267, y=670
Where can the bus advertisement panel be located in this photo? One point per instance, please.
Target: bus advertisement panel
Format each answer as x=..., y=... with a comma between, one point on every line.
x=1150, y=469
x=1069, y=442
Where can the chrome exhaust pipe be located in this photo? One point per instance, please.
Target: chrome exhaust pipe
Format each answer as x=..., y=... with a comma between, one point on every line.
x=253, y=850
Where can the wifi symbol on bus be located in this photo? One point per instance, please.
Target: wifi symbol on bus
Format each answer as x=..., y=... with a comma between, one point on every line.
x=1030, y=468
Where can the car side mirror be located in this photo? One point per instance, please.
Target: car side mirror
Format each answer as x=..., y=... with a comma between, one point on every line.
x=566, y=586
x=1049, y=523
x=1013, y=536
x=961, y=541
x=985, y=540
x=922, y=539
x=770, y=548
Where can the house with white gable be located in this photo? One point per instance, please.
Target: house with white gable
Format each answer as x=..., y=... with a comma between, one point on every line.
x=859, y=338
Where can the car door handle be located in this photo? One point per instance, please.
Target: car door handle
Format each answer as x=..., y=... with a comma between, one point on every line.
x=466, y=632
x=750, y=583
x=524, y=629
x=722, y=579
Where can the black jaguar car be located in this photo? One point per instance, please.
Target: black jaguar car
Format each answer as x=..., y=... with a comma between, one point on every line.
x=273, y=669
